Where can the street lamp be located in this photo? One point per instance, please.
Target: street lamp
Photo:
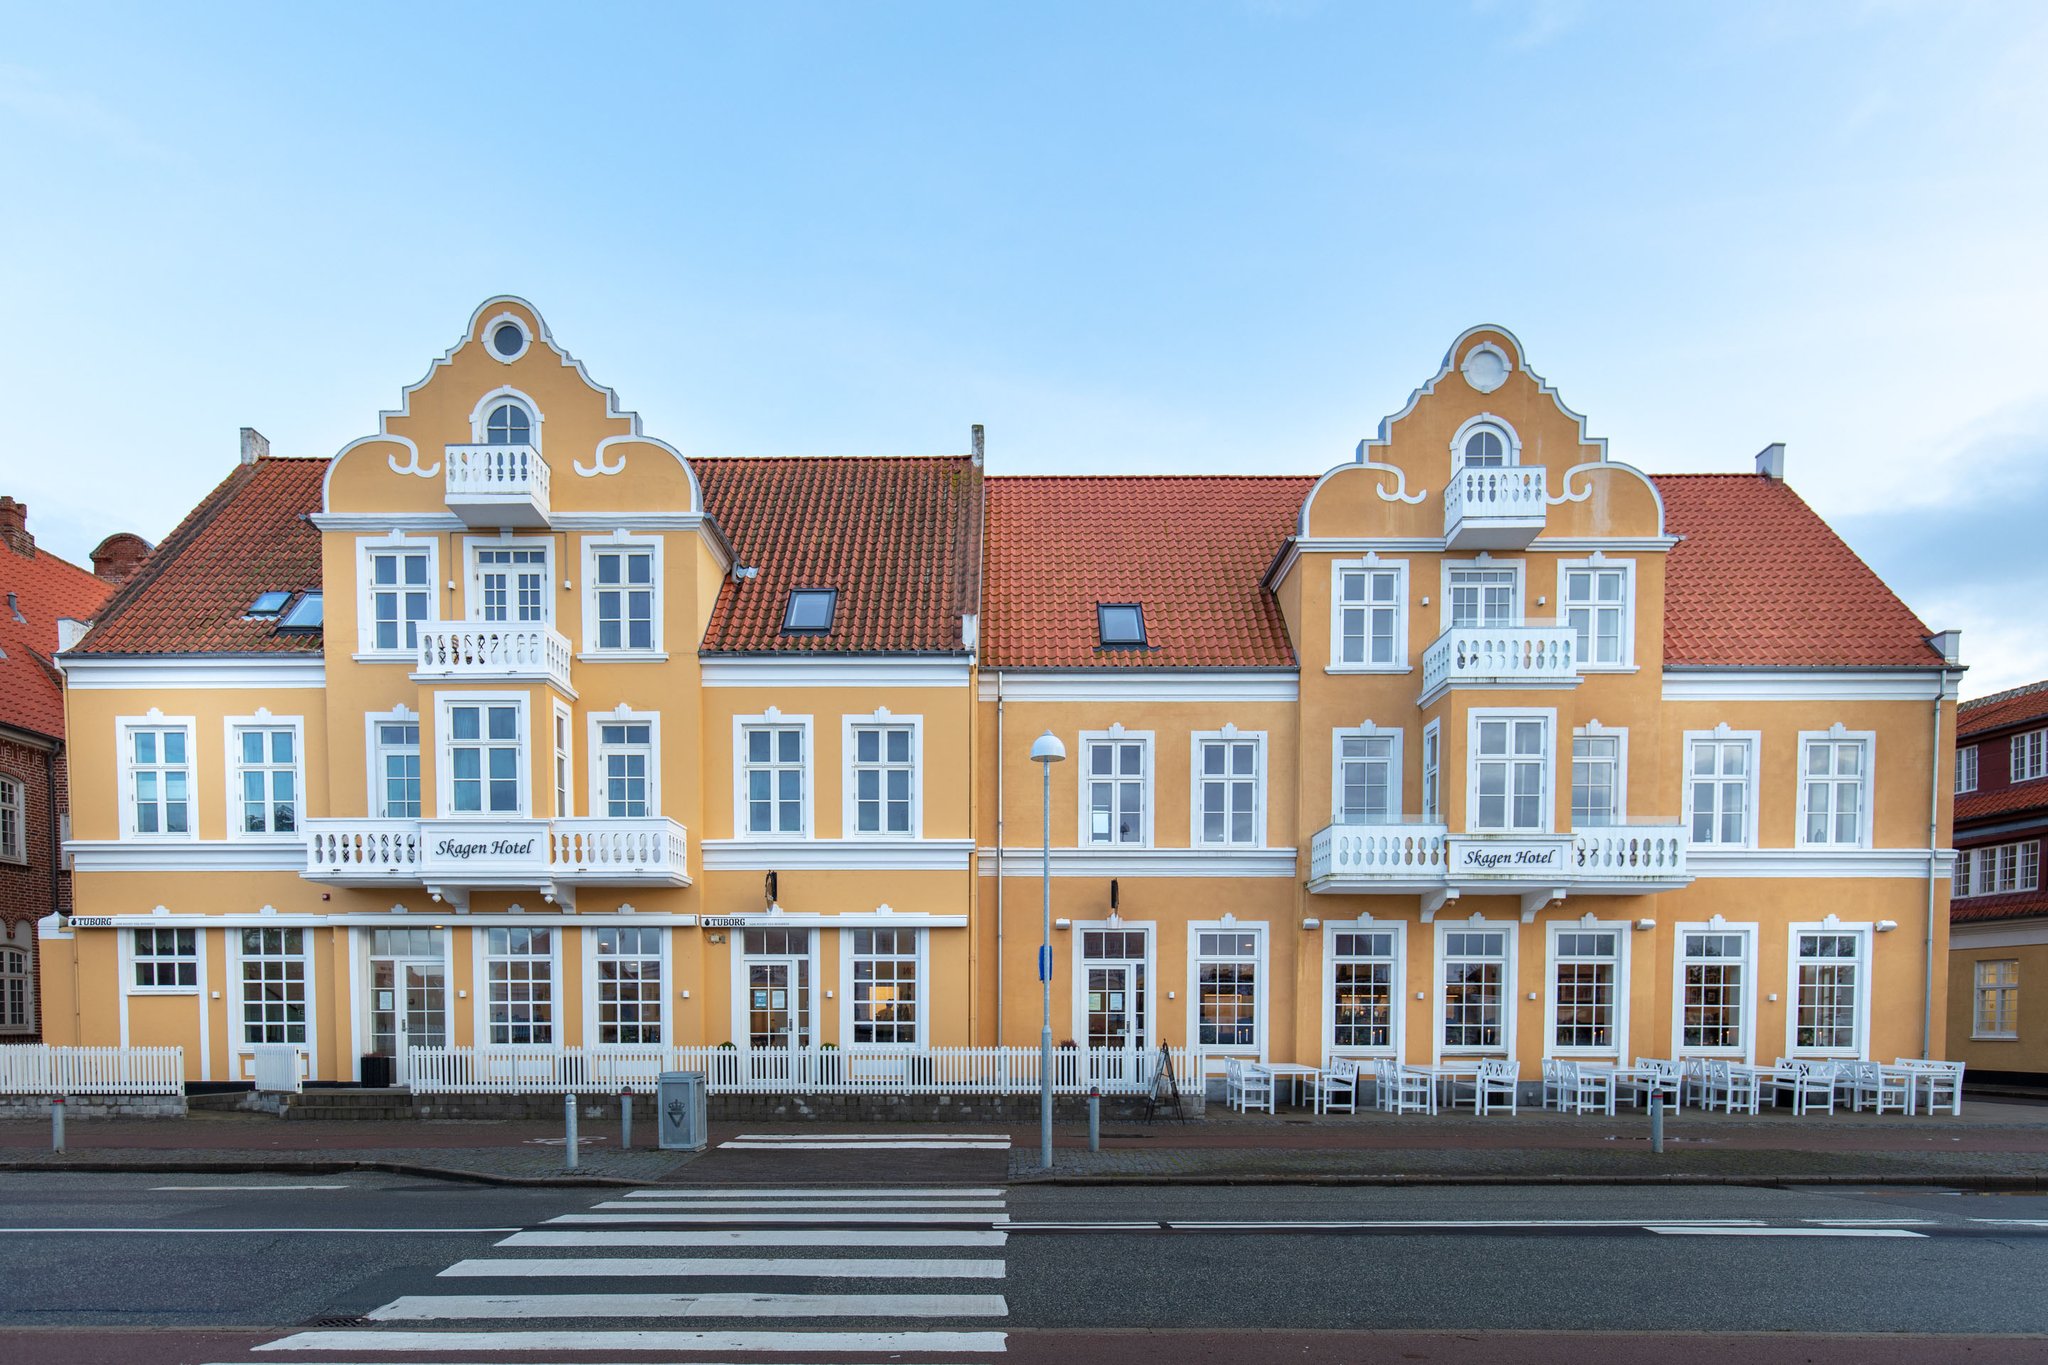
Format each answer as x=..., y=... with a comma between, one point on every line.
x=1046, y=750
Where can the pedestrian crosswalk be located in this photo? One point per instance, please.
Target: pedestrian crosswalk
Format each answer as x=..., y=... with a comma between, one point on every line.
x=838, y=1284
x=868, y=1142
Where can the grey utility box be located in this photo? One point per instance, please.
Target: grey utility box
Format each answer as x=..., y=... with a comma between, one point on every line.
x=679, y=1110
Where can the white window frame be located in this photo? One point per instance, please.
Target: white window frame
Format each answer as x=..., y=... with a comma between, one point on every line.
x=1229, y=734
x=480, y=993
x=1866, y=797
x=2009, y=991
x=232, y=727
x=1966, y=763
x=1078, y=974
x=1262, y=986
x=741, y=1022
x=444, y=761
x=593, y=546
x=1598, y=563
x=1431, y=805
x=1510, y=995
x=1977, y=871
x=1371, y=564
x=665, y=996
x=124, y=729
x=130, y=959
x=2029, y=756
x=367, y=548
x=1721, y=734
x=1148, y=786
x=1621, y=929
x=921, y=1024
x=238, y=1028
x=1510, y=439
x=13, y=802
x=1593, y=729
x=473, y=578
x=1398, y=988
x=849, y=794
x=480, y=415
x=373, y=760
x=1547, y=800
x=1395, y=761
x=562, y=775
x=1745, y=1002
x=1520, y=591
x=774, y=718
x=1865, y=969
x=24, y=980
x=621, y=715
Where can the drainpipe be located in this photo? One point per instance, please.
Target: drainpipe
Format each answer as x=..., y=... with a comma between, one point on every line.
x=1000, y=752
x=1933, y=862
x=53, y=818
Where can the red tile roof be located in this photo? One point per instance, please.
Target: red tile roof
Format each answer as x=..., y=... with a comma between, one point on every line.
x=2019, y=796
x=44, y=588
x=1761, y=581
x=248, y=536
x=2014, y=707
x=895, y=536
x=2018, y=905
x=1193, y=551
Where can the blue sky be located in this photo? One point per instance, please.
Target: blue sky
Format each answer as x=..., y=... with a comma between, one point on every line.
x=1132, y=237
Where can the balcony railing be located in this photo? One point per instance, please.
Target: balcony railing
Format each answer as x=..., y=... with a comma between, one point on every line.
x=498, y=651
x=619, y=850
x=1631, y=853
x=641, y=851
x=1496, y=508
x=1410, y=855
x=1500, y=656
x=497, y=485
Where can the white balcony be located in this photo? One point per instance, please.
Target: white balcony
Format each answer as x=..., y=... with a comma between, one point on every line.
x=493, y=651
x=1425, y=859
x=1494, y=508
x=1386, y=858
x=497, y=485
x=453, y=857
x=1632, y=857
x=1500, y=656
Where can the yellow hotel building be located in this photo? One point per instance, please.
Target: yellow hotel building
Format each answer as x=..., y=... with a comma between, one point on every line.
x=511, y=727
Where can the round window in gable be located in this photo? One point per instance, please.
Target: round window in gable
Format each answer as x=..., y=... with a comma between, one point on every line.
x=506, y=338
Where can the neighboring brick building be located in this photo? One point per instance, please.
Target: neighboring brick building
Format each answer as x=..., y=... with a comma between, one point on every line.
x=37, y=590
x=1998, y=939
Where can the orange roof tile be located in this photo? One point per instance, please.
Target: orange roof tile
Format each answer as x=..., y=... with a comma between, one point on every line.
x=895, y=536
x=1759, y=580
x=248, y=536
x=2015, y=706
x=1193, y=551
x=43, y=588
x=2017, y=905
x=1981, y=805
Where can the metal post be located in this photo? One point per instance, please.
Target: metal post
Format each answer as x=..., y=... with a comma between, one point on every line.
x=1094, y=1118
x=1657, y=1121
x=57, y=1124
x=625, y=1120
x=569, y=1116
x=1045, y=992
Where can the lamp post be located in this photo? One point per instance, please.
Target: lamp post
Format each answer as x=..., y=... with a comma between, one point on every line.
x=1046, y=750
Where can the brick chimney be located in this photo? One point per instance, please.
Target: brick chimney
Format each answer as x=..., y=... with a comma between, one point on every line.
x=14, y=527
x=115, y=559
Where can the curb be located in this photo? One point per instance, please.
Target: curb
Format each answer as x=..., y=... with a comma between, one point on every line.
x=1952, y=1180
x=327, y=1167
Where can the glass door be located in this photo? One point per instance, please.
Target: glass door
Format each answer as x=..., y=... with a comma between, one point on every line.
x=1116, y=1017
x=408, y=1005
x=778, y=1002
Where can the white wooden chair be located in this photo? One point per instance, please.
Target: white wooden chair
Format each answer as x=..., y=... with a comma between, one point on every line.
x=1654, y=1076
x=1553, y=1083
x=1495, y=1085
x=1729, y=1089
x=1586, y=1091
x=1693, y=1082
x=1812, y=1085
x=1336, y=1086
x=1943, y=1082
x=1408, y=1092
x=1881, y=1087
x=1255, y=1087
x=1233, y=1083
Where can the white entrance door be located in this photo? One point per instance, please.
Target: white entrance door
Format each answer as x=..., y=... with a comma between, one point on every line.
x=1114, y=1007
x=408, y=1004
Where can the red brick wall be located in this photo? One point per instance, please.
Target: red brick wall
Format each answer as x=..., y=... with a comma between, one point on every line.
x=25, y=892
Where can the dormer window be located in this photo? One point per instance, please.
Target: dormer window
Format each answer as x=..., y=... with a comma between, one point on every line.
x=809, y=611
x=508, y=425
x=1121, y=625
x=267, y=605
x=1485, y=448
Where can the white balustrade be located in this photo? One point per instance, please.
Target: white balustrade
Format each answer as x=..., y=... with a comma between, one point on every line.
x=1500, y=656
x=456, y=650
x=639, y=852
x=39, y=1069
x=509, y=483
x=340, y=849
x=1382, y=852
x=595, y=849
x=1628, y=852
x=1500, y=507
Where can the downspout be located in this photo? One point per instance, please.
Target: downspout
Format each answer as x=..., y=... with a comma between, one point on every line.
x=56, y=888
x=1000, y=751
x=1933, y=864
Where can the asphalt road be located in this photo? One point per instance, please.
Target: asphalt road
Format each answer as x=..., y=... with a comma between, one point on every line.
x=118, y=1268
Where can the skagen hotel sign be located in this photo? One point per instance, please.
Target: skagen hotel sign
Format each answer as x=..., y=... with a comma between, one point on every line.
x=1501, y=857
x=491, y=848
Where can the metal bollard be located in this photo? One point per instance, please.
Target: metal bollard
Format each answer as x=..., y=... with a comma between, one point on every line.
x=57, y=1124
x=569, y=1114
x=625, y=1120
x=1094, y=1118
x=1657, y=1122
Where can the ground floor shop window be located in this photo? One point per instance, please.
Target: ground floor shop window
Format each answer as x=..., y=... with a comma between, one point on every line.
x=166, y=959
x=273, y=986
x=1362, y=975
x=1227, y=988
x=1828, y=979
x=1585, y=972
x=629, y=995
x=519, y=968
x=1475, y=986
x=885, y=987
x=1714, y=969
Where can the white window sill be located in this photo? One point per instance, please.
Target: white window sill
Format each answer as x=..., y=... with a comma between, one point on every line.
x=1215, y=847
x=1994, y=1037
x=163, y=990
x=286, y=837
x=131, y=837
x=1842, y=848
x=1390, y=669
x=1609, y=668
x=386, y=656
x=17, y=859
x=854, y=837
x=766, y=837
x=622, y=656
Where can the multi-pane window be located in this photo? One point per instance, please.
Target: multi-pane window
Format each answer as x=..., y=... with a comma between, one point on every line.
x=1362, y=989
x=1512, y=761
x=519, y=967
x=772, y=776
x=508, y=425
x=884, y=777
x=628, y=986
x=14, y=1012
x=1475, y=964
x=1483, y=597
x=401, y=597
x=1432, y=763
x=266, y=779
x=397, y=779
x=1833, y=780
x=1484, y=449
x=166, y=959
x=1369, y=603
x=273, y=986
x=625, y=598
x=1228, y=790
x=1998, y=869
x=484, y=754
x=1998, y=999
x=13, y=823
x=1966, y=769
x=1714, y=967
x=1227, y=988
x=1366, y=779
x=514, y=583
x=1585, y=970
x=160, y=774
x=1718, y=776
x=885, y=987
x=2030, y=755
x=625, y=768
x=1596, y=609
x=1596, y=780
x=1116, y=781
x=1828, y=984
x=565, y=766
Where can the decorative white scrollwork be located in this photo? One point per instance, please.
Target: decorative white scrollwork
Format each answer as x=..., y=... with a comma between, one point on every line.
x=599, y=464
x=1400, y=491
x=1565, y=493
x=412, y=466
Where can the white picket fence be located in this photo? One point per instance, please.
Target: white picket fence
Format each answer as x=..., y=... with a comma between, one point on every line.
x=39, y=1069
x=783, y=1071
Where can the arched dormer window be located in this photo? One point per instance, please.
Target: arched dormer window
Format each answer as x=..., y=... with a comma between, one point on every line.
x=1485, y=442
x=509, y=424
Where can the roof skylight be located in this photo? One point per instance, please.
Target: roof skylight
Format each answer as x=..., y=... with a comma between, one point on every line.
x=809, y=611
x=269, y=603
x=1120, y=624
x=308, y=614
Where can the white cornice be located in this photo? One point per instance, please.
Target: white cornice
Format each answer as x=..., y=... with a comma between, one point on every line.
x=1428, y=545
x=837, y=671
x=557, y=521
x=1809, y=684
x=1142, y=862
x=440, y=917
x=2015, y=933
x=386, y=521
x=105, y=672
x=190, y=855
x=836, y=855
x=1846, y=863
x=866, y=919
x=1132, y=684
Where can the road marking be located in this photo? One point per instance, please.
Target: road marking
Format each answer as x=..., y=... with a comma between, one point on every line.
x=465, y=1307
x=904, y=1146
x=762, y=1205
x=266, y=1231
x=156, y=1189
x=740, y=1216
x=760, y=1237
x=851, y=1343
x=2014, y=1222
x=1667, y=1231
x=885, y=1138
x=1870, y=1222
x=1173, y=1225
x=822, y=1192
x=820, y=1267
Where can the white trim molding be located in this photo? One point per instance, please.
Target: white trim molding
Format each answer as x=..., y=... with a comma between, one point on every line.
x=124, y=759
x=835, y=855
x=1141, y=862
x=1706, y=860
x=1229, y=734
x=231, y=752
x=1141, y=684
x=880, y=719
x=595, y=748
x=621, y=539
x=1148, y=785
x=1369, y=565
x=1720, y=734
x=772, y=719
x=187, y=855
x=1866, y=793
x=163, y=672
x=1683, y=683
x=1596, y=564
x=859, y=671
